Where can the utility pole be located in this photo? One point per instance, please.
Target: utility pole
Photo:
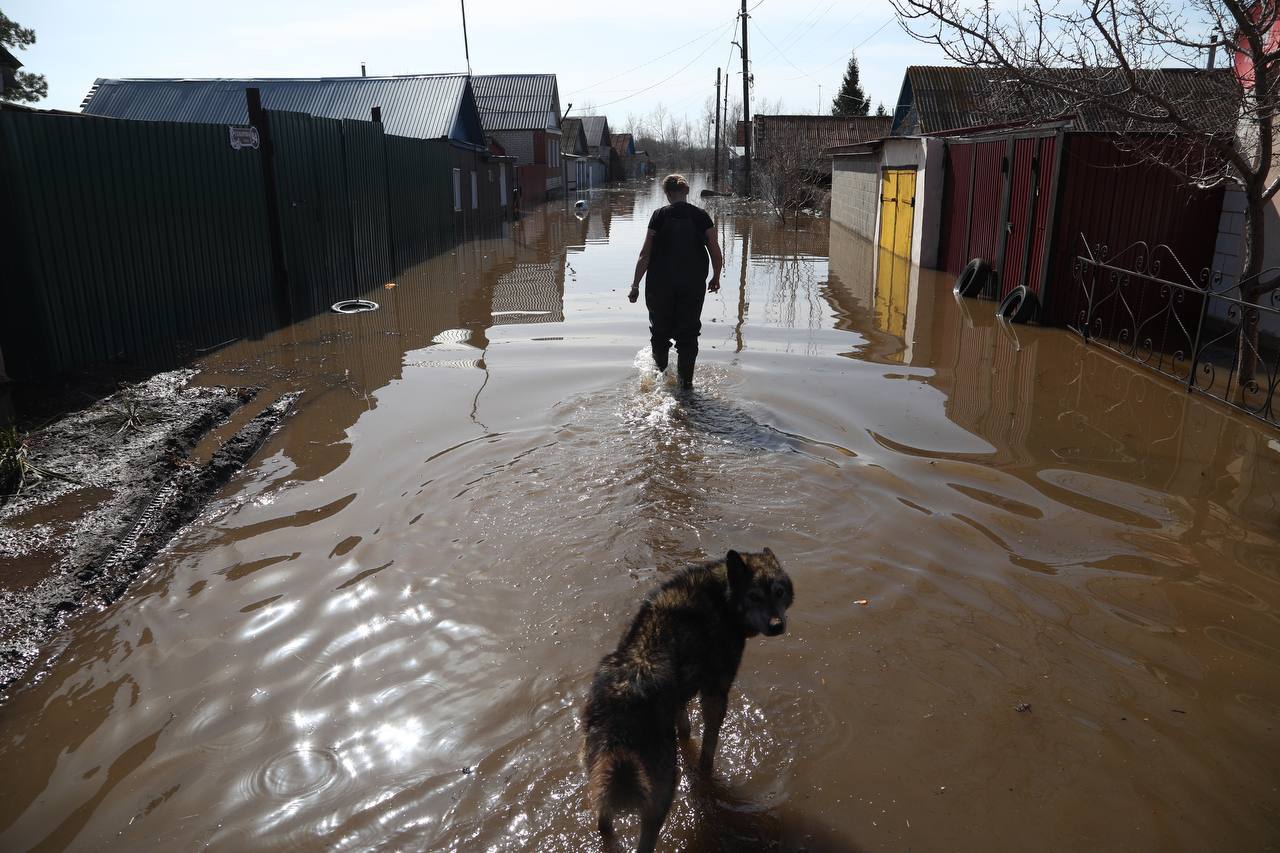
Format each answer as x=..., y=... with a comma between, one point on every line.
x=715, y=174
x=746, y=103
x=466, y=48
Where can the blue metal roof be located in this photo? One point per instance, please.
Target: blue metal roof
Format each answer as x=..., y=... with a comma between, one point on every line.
x=517, y=101
x=425, y=106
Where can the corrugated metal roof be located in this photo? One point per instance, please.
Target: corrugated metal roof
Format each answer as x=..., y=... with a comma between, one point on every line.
x=817, y=132
x=936, y=99
x=573, y=140
x=517, y=101
x=425, y=106
x=597, y=129
x=624, y=144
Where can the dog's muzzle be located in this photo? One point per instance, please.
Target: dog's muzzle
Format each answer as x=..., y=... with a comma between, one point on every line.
x=776, y=626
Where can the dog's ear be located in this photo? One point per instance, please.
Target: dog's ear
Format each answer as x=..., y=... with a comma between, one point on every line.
x=768, y=552
x=739, y=571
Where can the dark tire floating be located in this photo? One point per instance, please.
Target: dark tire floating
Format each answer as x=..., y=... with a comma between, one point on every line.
x=973, y=278
x=1020, y=306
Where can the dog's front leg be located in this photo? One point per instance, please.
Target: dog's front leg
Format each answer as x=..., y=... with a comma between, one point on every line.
x=683, y=727
x=714, y=702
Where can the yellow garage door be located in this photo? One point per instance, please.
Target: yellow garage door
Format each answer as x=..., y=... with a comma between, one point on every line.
x=893, y=275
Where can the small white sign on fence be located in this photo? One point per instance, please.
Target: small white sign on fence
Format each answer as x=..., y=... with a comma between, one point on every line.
x=243, y=137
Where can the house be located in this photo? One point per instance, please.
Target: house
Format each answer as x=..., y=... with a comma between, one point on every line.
x=887, y=194
x=574, y=153
x=808, y=136
x=969, y=172
x=944, y=99
x=522, y=113
x=632, y=164
x=643, y=165
x=439, y=107
x=9, y=66
x=600, y=146
x=1233, y=216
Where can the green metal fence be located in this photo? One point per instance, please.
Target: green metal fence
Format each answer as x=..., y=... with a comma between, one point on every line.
x=127, y=239
x=420, y=197
x=312, y=198
x=149, y=241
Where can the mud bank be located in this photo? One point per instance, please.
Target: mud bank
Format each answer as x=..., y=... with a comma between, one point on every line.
x=105, y=488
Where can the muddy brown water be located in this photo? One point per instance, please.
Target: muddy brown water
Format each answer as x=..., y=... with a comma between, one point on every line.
x=377, y=636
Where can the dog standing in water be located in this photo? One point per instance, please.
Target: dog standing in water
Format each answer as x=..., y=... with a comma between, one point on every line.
x=686, y=640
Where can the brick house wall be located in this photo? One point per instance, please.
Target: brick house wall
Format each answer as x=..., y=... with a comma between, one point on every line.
x=518, y=144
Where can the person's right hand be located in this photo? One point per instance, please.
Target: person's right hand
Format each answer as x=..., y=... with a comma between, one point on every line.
x=634, y=293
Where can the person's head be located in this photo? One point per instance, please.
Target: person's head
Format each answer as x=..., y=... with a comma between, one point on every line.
x=676, y=187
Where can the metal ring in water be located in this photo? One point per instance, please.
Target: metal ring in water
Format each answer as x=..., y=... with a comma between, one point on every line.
x=354, y=306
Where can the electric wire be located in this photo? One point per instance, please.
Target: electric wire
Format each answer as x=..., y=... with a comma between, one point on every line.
x=693, y=40
x=667, y=79
x=791, y=32
x=851, y=50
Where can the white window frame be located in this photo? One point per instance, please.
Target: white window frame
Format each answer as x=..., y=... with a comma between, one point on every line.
x=457, y=190
x=475, y=190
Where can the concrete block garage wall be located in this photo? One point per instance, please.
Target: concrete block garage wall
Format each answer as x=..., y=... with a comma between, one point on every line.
x=855, y=193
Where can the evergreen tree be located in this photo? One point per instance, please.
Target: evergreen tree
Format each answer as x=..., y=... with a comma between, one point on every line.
x=850, y=100
x=880, y=110
x=19, y=86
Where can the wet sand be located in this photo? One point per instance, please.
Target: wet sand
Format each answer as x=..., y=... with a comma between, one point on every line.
x=376, y=636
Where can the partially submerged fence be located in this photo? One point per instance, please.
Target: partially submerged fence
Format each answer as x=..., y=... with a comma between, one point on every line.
x=153, y=240
x=1217, y=338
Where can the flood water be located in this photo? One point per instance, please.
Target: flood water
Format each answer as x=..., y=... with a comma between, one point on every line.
x=377, y=636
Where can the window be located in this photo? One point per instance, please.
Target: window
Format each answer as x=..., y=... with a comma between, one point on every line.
x=502, y=184
x=457, y=189
x=475, y=191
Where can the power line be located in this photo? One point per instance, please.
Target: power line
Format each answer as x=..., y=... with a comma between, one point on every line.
x=851, y=50
x=697, y=38
x=805, y=18
x=663, y=80
x=790, y=42
x=777, y=50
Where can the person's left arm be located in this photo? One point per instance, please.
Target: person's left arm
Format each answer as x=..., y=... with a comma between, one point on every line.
x=717, y=260
x=642, y=265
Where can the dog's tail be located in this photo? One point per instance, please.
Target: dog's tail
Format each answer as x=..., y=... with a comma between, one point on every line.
x=618, y=781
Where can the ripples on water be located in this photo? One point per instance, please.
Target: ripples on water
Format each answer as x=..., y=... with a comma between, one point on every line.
x=378, y=636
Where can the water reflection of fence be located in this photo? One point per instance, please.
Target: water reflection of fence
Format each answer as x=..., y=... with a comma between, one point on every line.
x=1143, y=304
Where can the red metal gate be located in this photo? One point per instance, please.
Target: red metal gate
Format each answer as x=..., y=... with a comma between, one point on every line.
x=998, y=204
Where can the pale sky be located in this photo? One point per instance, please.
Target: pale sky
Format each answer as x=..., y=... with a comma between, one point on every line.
x=796, y=45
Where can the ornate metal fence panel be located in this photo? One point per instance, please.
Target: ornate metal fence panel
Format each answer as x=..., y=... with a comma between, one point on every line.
x=1218, y=338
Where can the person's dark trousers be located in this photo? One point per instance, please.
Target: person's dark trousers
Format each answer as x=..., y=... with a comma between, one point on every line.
x=675, y=313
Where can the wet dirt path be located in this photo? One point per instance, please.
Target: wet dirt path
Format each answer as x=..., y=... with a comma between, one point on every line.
x=376, y=637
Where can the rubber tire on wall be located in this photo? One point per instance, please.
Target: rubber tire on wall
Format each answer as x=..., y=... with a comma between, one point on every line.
x=973, y=278
x=1020, y=306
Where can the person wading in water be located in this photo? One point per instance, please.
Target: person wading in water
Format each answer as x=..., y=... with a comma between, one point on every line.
x=681, y=238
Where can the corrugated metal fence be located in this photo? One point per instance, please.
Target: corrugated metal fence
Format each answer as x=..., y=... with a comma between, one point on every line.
x=127, y=238
x=148, y=241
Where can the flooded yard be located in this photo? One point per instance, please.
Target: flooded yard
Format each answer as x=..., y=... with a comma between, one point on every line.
x=1037, y=589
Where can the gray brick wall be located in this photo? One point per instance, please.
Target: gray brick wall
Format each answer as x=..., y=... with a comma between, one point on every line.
x=855, y=194
x=517, y=143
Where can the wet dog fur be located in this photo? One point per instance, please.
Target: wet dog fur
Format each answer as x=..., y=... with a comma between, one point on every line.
x=687, y=639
